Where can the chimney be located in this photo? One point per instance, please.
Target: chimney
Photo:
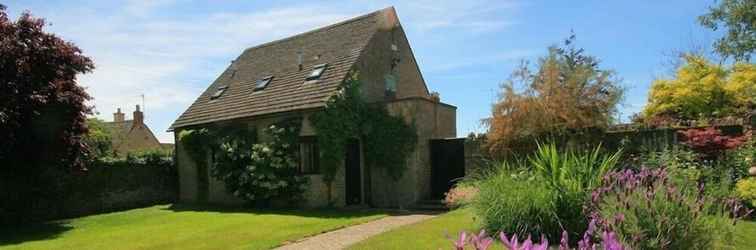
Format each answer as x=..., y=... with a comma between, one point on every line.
x=389, y=20
x=138, y=116
x=118, y=116
x=435, y=97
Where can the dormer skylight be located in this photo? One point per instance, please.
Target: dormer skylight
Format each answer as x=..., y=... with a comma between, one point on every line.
x=218, y=92
x=262, y=83
x=317, y=71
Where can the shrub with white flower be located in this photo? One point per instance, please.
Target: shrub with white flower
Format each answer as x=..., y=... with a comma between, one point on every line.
x=261, y=171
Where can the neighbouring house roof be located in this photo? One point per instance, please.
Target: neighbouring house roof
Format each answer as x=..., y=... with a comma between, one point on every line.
x=122, y=132
x=338, y=45
x=119, y=131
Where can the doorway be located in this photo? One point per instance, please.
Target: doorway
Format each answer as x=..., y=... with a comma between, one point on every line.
x=447, y=165
x=353, y=174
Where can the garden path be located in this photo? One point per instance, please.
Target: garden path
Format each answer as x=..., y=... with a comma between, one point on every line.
x=342, y=238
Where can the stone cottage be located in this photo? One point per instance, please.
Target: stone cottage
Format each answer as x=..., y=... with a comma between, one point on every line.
x=295, y=76
x=133, y=135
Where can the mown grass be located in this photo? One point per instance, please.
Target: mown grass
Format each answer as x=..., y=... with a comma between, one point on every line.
x=181, y=227
x=745, y=235
x=431, y=234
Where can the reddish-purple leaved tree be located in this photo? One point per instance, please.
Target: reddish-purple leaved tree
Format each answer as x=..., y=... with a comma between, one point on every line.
x=42, y=111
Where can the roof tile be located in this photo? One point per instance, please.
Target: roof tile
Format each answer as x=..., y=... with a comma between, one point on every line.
x=339, y=45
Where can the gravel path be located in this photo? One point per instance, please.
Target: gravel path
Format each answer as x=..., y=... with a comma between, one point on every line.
x=342, y=238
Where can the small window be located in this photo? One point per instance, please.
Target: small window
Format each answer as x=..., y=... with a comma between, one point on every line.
x=317, y=71
x=262, y=83
x=309, y=157
x=390, y=85
x=219, y=92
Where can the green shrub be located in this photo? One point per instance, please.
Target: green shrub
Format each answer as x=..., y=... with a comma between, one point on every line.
x=741, y=159
x=572, y=175
x=648, y=210
x=572, y=172
x=517, y=203
x=261, y=172
x=685, y=166
x=460, y=196
x=544, y=195
x=746, y=190
x=669, y=157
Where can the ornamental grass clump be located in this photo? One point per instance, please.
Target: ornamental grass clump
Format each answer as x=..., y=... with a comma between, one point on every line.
x=649, y=210
x=544, y=195
x=571, y=175
x=517, y=203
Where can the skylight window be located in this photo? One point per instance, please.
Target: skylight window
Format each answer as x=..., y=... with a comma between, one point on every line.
x=218, y=92
x=317, y=71
x=262, y=83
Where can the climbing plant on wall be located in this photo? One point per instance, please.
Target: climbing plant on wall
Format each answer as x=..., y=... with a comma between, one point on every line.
x=256, y=171
x=388, y=140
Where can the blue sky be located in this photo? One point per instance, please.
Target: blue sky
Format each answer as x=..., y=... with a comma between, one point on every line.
x=170, y=50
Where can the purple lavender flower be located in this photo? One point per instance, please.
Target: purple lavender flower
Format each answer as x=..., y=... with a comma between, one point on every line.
x=564, y=243
x=610, y=241
x=460, y=242
x=481, y=241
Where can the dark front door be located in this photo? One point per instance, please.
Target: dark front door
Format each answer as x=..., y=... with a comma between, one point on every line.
x=353, y=178
x=447, y=165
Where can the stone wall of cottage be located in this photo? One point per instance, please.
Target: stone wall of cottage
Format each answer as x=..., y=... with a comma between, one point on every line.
x=433, y=120
x=375, y=63
x=315, y=191
x=413, y=102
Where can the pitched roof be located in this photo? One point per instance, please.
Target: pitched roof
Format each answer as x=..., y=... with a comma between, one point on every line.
x=339, y=45
x=119, y=130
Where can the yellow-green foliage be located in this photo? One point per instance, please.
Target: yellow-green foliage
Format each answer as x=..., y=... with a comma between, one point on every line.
x=742, y=83
x=746, y=190
x=98, y=138
x=703, y=89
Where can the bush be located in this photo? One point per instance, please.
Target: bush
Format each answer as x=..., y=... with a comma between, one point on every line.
x=670, y=157
x=517, y=203
x=741, y=159
x=710, y=142
x=648, y=210
x=261, y=172
x=544, y=195
x=460, y=195
x=686, y=166
x=572, y=176
x=746, y=191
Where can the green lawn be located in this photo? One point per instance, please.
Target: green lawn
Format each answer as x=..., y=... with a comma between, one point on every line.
x=181, y=227
x=431, y=234
x=745, y=235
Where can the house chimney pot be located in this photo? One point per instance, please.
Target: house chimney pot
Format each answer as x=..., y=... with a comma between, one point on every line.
x=138, y=116
x=118, y=116
x=436, y=97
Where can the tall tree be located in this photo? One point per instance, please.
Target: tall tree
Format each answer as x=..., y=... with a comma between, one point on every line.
x=42, y=110
x=568, y=92
x=701, y=89
x=739, y=17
